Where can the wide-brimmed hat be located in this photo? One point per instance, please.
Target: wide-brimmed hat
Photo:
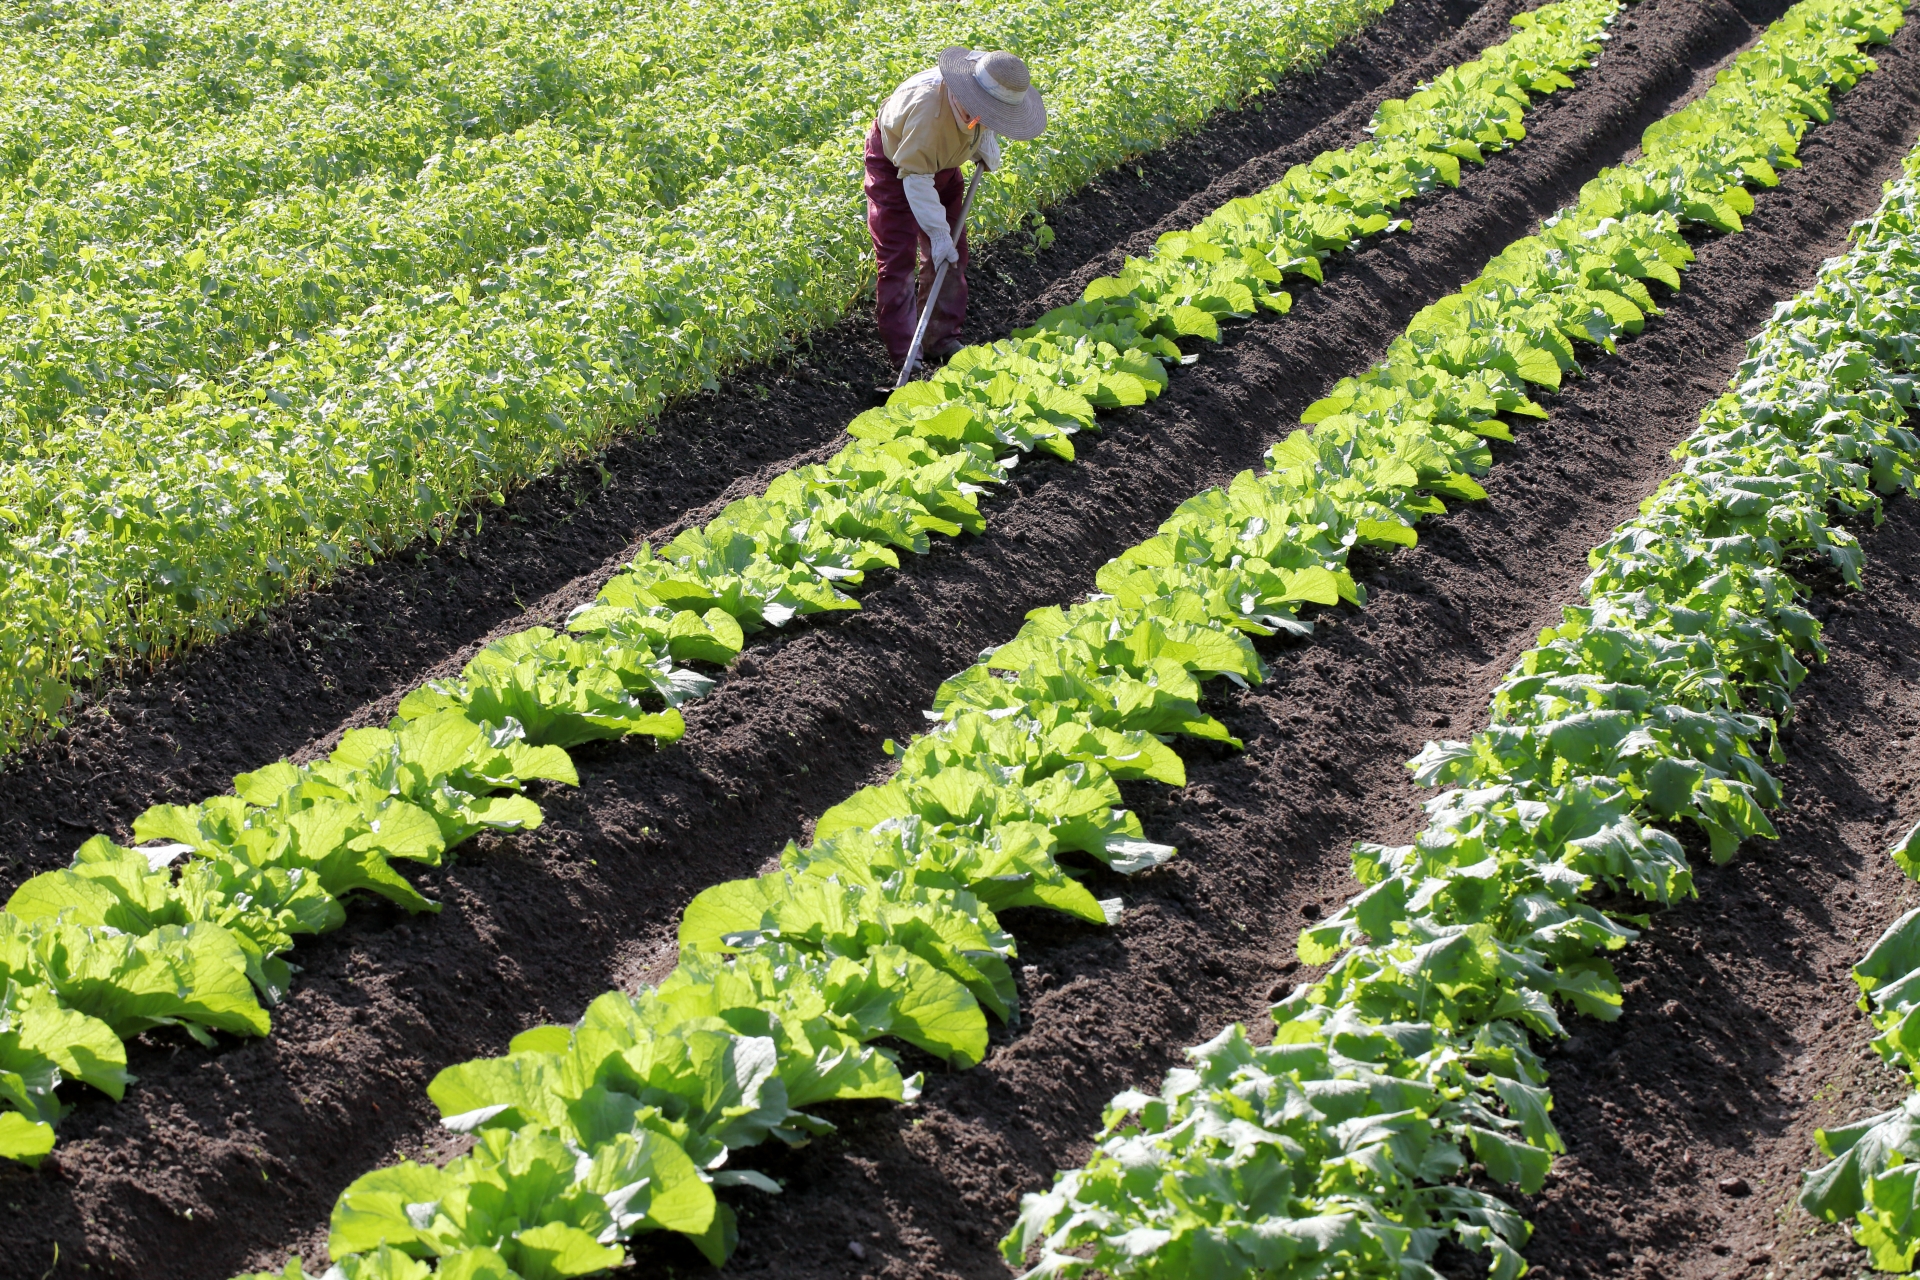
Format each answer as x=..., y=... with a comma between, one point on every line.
x=996, y=87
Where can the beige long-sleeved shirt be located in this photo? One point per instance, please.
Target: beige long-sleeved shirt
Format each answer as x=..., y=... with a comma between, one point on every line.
x=921, y=135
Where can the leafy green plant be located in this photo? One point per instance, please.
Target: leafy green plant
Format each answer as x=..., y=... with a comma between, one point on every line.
x=126, y=940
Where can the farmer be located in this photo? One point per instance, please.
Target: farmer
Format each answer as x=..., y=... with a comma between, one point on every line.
x=932, y=126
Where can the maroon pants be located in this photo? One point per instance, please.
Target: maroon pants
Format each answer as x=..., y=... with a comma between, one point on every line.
x=900, y=245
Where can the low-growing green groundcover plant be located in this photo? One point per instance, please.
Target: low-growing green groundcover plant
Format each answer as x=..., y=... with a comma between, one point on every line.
x=1343, y=1147
x=390, y=82
x=195, y=429
x=320, y=253
x=887, y=924
x=224, y=104
x=915, y=469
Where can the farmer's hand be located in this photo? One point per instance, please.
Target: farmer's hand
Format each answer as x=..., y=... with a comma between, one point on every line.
x=943, y=248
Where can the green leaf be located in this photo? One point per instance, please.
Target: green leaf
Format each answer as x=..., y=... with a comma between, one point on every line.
x=1894, y=955
x=732, y=906
x=27, y=1141
x=1536, y=364
x=662, y=1186
x=377, y=1209
x=523, y=1088
x=1386, y=532
x=1906, y=852
x=474, y=1264
x=36, y=1028
x=548, y=1039
x=1859, y=1152
x=1510, y=1161
x=555, y=1250
x=383, y=1263
x=721, y=1238
x=1192, y=322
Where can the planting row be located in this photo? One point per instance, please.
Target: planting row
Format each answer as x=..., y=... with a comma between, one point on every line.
x=1863, y=327
x=886, y=925
x=213, y=417
x=1652, y=703
x=120, y=942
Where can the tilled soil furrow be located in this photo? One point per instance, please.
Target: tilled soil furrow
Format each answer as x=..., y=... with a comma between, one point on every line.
x=182, y=731
x=256, y=1141
x=1690, y=1120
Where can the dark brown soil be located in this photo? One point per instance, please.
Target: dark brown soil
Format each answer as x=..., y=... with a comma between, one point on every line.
x=179, y=733
x=219, y=1160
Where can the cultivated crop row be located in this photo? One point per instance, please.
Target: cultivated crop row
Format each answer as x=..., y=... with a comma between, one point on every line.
x=233, y=397
x=122, y=941
x=1862, y=325
x=1654, y=702
x=886, y=925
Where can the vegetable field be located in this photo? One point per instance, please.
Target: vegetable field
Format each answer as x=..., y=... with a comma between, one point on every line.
x=786, y=839
x=277, y=346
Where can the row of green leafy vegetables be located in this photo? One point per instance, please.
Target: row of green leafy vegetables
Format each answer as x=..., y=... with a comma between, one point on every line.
x=1870, y=1179
x=886, y=926
x=124, y=940
x=1346, y=1145
x=212, y=412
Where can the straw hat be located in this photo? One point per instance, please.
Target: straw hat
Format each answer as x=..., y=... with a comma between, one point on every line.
x=996, y=87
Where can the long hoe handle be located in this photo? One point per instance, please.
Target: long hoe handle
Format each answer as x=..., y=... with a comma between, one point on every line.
x=933, y=295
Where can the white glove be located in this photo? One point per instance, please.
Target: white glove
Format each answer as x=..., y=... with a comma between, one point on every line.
x=990, y=151
x=931, y=215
